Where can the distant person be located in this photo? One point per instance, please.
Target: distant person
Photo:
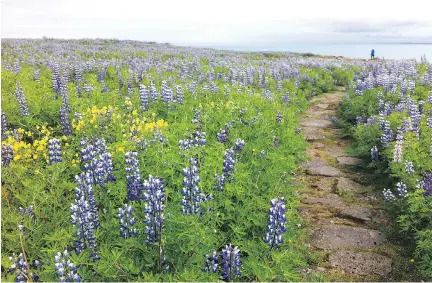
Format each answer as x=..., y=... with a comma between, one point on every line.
x=372, y=54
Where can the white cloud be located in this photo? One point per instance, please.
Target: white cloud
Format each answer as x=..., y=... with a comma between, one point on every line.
x=220, y=22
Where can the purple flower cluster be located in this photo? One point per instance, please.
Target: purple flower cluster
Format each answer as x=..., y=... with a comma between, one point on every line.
x=409, y=167
x=133, y=177
x=279, y=117
x=402, y=190
x=144, y=96
x=3, y=126
x=97, y=160
x=197, y=139
x=388, y=195
x=127, y=221
x=54, y=151
x=65, y=122
x=180, y=95
x=21, y=269
x=228, y=263
x=7, y=154
x=19, y=93
x=192, y=196
x=84, y=214
x=239, y=144
x=154, y=196
x=276, y=222
x=65, y=268
x=426, y=184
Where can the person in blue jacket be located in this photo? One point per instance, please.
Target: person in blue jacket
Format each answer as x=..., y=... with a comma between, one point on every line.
x=372, y=54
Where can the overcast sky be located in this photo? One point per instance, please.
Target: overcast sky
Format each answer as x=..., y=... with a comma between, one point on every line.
x=221, y=22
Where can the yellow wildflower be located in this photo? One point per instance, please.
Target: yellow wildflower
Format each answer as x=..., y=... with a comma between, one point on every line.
x=35, y=156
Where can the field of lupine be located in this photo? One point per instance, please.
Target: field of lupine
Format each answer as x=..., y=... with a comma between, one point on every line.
x=126, y=161
x=388, y=112
x=134, y=161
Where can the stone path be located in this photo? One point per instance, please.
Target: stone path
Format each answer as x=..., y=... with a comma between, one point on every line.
x=343, y=216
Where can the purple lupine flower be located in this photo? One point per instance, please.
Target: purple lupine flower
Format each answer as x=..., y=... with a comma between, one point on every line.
x=192, y=196
x=359, y=119
x=387, y=135
x=65, y=96
x=276, y=222
x=374, y=154
x=153, y=92
x=219, y=182
x=97, y=160
x=127, y=221
x=19, y=93
x=144, y=96
x=402, y=190
x=409, y=167
x=197, y=139
x=279, y=117
x=65, y=268
x=3, y=126
x=230, y=262
x=64, y=121
x=228, y=164
x=133, y=178
x=212, y=262
x=196, y=119
x=154, y=195
x=54, y=151
x=180, y=95
x=239, y=144
x=223, y=133
x=426, y=184
x=21, y=269
x=298, y=130
x=388, y=195
x=7, y=154
x=276, y=142
x=55, y=78
x=84, y=214
x=397, y=155
x=166, y=93
x=28, y=211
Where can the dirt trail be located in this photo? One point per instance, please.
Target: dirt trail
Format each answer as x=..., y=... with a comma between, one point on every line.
x=340, y=208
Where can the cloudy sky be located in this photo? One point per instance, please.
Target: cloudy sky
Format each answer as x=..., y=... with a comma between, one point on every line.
x=221, y=22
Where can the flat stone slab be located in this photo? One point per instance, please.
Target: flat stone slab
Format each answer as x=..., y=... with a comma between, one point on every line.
x=326, y=184
x=349, y=160
x=324, y=171
x=335, y=151
x=321, y=124
x=322, y=106
x=318, y=145
x=357, y=213
x=348, y=185
x=324, y=201
x=342, y=236
x=361, y=263
x=313, y=134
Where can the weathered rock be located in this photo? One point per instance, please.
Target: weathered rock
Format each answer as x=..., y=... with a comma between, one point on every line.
x=357, y=213
x=313, y=134
x=347, y=185
x=361, y=263
x=324, y=171
x=349, y=160
x=326, y=184
x=321, y=106
x=324, y=201
x=321, y=124
x=341, y=236
x=318, y=145
x=335, y=151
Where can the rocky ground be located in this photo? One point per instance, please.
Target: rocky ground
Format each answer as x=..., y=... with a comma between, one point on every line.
x=341, y=209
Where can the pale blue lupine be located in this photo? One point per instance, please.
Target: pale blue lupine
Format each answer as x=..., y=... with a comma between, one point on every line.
x=7, y=154
x=54, y=151
x=212, y=262
x=409, y=167
x=65, y=268
x=276, y=222
x=230, y=262
x=180, y=95
x=65, y=122
x=374, y=154
x=144, y=96
x=127, y=221
x=19, y=93
x=133, y=177
x=21, y=269
x=401, y=189
x=388, y=195
x=84, y=214
x=154, y=195
x=239, y=144
x=192, y=196
x=3, y=126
